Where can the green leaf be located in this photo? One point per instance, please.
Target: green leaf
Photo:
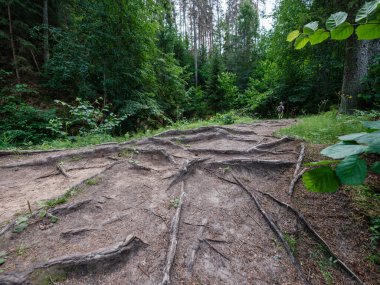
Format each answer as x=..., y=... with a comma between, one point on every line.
x=336, y=20
x=375, y=125
x=310, y=28
x=322, y=162
x=366, y=10
x=339, y=151
x=352, y=170
x=53, y=218
x=368, y=139
x=301, y=42
x=370, y=31
x=23, y=219
x=321, y=180
x=351, y=137
x=42, y=213
x=293, y=35
x=2, y=261
x=376, y=167
x=374, y=147
x=319, y=36
x=342, y=32
x=20, y=227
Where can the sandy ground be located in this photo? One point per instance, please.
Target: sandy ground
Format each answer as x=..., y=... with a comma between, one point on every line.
x=172, y=204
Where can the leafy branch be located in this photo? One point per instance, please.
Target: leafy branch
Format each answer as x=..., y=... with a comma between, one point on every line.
x=348, y=167
x=366, y=27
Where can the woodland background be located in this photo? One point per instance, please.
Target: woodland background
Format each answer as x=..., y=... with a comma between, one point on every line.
x=68, y=68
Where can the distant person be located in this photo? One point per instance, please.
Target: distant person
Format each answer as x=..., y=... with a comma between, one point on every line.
x=280, y=110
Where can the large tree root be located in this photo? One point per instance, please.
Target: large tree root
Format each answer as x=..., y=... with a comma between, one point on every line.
x=296, y=171
x=193, y=249
x=186, y=169
x=159, y=141
x=273, y=143
x=310, y=228
x=173, y=239
x=249, y=162
x=277, y=231
x=170, y=133
x=106, y=255
x=295, y=180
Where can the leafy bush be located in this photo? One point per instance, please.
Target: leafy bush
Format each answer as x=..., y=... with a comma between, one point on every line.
x=226, y=118
x=22, y=124
x=86, y=118
x=348, y=167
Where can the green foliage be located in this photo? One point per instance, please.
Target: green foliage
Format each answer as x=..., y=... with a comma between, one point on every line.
x=352, y=170
x=368, y=27
x=325, y=128
x=86, y=118
x=321, y=180
x=21, y=123
x=21, y=224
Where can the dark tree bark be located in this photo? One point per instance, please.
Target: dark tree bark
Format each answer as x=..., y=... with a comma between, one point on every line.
x=13, y=44
x=46, y=31
x=355, y=69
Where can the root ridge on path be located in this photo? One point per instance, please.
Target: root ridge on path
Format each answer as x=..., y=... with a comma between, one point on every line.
x=203, y=206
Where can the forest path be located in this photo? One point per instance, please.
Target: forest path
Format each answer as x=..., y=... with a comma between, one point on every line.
x=202, y=206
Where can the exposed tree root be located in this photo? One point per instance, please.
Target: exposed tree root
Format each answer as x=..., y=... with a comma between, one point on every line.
x=295, y=180
x=173, y=239
x=110, y=254
x=137, y=166
x=159, y=141
x=186, y=168
x=235, y=152
x=273, y=143
x=207, y=241
x=296, y=171
x=66, y=209
x=277, y=231
x=310, y=228
x=62, y=170
x=74, y=232
x=249, y=162
x=204, y=130
x=193, y=249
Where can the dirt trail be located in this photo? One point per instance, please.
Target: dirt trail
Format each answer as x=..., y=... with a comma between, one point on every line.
x=183, y=207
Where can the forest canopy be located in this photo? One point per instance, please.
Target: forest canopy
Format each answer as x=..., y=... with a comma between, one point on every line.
x=72, y=67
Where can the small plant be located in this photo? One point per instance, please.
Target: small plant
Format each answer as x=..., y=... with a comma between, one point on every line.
x=174, y=203
x=21, y=224
x=93, y=181
x=347, y=168
x=21, y=249
x=325, y=262
x=225, y=169
x=3, y=257
x=292, y=242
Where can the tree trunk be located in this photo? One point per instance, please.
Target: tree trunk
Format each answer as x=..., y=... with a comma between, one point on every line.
x=46, y=31
x=13, y=44
x=355, y=69
x=195, y=46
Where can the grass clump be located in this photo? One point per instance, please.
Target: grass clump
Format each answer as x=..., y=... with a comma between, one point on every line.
x=93, y=181
x=61, y=199
x=325, y=128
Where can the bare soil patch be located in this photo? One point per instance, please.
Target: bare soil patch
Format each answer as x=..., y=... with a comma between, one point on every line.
x=203, y=206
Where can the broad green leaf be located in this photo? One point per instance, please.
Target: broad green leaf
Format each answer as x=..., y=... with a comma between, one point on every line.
x=352, y=170
x=322, y=162
x=293, y=35
x=301, y=42
x=370, y=31
x=351, y=137
x=366, y=10
x=319, y=36
x=339, y=151
x=342, y=32
x=310, y=28
x=22, y=220
x=368, y=139
x=321, y=180
x=375, y=125
x=20, y=227
x=2, y=261
x=374, y=147
x=335, y=20
x=376, y=167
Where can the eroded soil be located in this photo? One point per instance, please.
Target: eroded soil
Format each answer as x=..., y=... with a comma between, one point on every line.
x=183, y=207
